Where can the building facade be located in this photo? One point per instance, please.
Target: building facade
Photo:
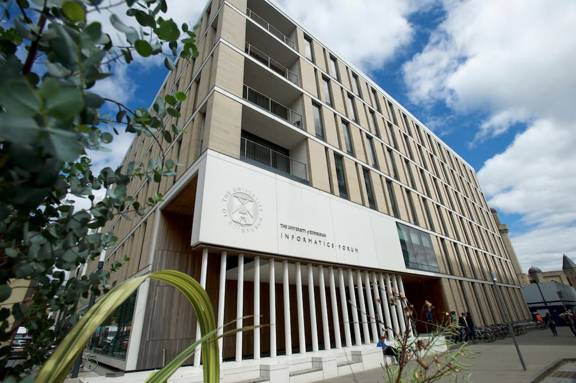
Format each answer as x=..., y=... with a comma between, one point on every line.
x=305, y=199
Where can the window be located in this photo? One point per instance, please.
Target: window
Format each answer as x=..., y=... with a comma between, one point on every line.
x=327, y=91
x=392, y=135
x=341, y=176
x=410, y=174
x=407, y=124
x=308, y=48
x=318, y=125
x=393, y=202
x=376, y=100
x=392, y=114
x=425, y=182
x=346, y=135
x=351, y=108
x=407, y=144
x=355, y=84
x=333, y=68
x=369, y=188
x=393, y=161
x=417, y=249
x=412, y=208
x=371, y=151
x=374, y=122
x=428, y=214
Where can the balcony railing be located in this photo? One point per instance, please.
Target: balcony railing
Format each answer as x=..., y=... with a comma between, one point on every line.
x=266, y=25
x=272, y=106
x=272, y=64
x=272, y=160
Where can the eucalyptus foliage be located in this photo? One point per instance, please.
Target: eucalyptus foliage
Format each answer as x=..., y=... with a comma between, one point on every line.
x=52, y=54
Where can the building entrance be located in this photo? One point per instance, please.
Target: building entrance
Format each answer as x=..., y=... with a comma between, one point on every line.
x=419, y=291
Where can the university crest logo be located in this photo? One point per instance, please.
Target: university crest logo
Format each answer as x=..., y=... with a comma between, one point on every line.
x=242, y=209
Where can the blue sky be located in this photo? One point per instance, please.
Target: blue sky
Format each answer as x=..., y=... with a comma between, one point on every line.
x=493, y=79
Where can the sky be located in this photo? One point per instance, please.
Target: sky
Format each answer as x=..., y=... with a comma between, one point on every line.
x=496, y=80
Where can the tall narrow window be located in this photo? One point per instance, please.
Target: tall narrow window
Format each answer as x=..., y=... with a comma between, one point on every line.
x=374, y=122
x=351, y=108
x=393, y=202
x=425, y=182
x=376, y=100
x=356, y=84
x=372, y=152
x=346, y=135
x=407, y=124
x=327, y=91
x=407, y=144
x=410, y=174
x=428, y=214
x=341, y=176
x=392, y=113
x=392, y=135
x=308, y=48
x=412, y=208
x=333, y=67
x=393, y=161
x=318, y=125
x=369, y=188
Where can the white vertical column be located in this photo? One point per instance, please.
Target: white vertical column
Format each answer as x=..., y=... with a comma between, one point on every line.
x=203, y=272
x=221, y=301
x=344, y=305
x=354, y=305
x=403, y=293
x=399, y=307
x=257, y=307
x=371, y=312
x=239, y=307
x=378, y=304
x=393, y=308
x=272, y=294
x=312, y=301
x=300, y=309
x=335, y=316
x=324, y=309
x=387, y=317
x=287, y=323
x=365, y=329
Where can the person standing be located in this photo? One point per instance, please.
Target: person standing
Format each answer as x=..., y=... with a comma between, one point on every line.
x=570, y=321
x=471, y=326
x=463, y=327
x=550, y=322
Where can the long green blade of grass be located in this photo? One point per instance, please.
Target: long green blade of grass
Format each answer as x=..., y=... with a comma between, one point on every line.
x=56, y=368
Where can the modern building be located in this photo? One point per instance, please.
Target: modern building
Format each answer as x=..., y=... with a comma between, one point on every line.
x=305, y=199
x=550, y=297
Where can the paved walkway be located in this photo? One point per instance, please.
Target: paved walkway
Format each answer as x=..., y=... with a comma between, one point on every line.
x=498, y=362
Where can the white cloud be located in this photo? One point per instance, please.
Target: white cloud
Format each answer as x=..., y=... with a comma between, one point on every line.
x=513, y=61
x=367, y=32
x=111, y=154
x=119, y=87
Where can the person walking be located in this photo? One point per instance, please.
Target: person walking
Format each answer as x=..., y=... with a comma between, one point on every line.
x=570, y=321
x=550, y=322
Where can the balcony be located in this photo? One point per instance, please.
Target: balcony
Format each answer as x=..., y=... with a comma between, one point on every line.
x=272, y=106
x=270, y=159
x=274, y=65
x=270, y=28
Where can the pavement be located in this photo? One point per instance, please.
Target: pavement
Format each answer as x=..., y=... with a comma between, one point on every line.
x=548, y=359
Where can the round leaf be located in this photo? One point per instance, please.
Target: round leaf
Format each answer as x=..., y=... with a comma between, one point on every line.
x=143, y=48
x=74, y=11
x=5, y=292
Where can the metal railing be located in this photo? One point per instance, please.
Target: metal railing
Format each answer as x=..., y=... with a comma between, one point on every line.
x=266, y=25
x=272, y=64
x=270, y=159
x=272, y=106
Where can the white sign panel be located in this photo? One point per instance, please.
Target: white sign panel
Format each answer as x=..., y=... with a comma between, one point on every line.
x=245, y=207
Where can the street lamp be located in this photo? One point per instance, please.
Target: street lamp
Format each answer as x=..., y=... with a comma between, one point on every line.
x=505, y=316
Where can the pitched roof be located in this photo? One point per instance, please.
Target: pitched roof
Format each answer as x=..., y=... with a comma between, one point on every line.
x=567, y=263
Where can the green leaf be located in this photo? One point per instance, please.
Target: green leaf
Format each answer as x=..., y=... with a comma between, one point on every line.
x=94, y=31
x=56, y=368
x=130, y=32
x=143, y=48
x=170, y=100
x=180, y=96
x=168, y=63
x=18, y=97
x=142, y=17
x=167, y=30
x=64, y=145
x=62, y=102
x=20, y=130
x=74, y=11
x=5, y=292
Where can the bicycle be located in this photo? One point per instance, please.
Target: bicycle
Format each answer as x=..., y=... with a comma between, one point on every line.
x=89, y=362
